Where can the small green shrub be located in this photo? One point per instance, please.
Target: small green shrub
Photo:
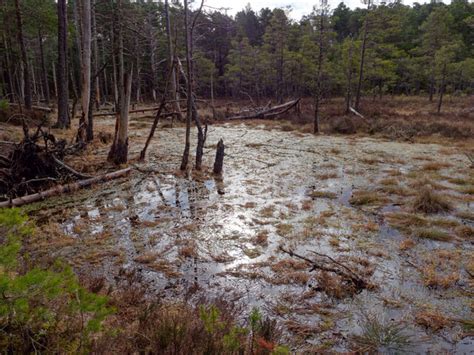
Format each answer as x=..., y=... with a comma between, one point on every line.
x=4, y=105
x=42, y=310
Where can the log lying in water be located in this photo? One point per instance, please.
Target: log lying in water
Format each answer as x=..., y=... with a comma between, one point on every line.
x=63, y=189
x=265, y=112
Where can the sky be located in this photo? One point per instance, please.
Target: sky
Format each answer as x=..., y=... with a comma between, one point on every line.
x=300, y=7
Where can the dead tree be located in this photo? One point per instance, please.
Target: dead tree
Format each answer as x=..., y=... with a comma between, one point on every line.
x=119, y=151
x=24, y=57
x=171, y=57
x=219, y=161
x=187, y=143
x=319, y=74
x=349, y=78
x=85, y=69
x=362, y=55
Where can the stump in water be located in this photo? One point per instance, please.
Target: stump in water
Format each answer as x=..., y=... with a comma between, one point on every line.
x=219, y=162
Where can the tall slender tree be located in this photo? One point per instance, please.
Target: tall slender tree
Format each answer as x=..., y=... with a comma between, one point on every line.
x=62, y=82
x=24, y=57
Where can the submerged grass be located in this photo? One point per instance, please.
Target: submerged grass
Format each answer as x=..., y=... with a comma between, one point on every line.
x=380, y=337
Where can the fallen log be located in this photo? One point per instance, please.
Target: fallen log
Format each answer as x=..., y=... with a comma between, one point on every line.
x=265, y=112
x=103, y=114
x=37, y=108
x=20, y=201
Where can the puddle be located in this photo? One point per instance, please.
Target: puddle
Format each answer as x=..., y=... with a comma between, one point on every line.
x=223, y=236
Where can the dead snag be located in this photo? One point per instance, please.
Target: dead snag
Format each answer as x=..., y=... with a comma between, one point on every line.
x=328, y=264
x=219, y=162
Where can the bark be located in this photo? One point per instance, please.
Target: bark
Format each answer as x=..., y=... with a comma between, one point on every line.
x=442, y=88
x=95, y=62
x=119, y=150
x=173, y=84
x=219, y=161
x=349, y=80
x=43, y=68
x=62, y=76
x=185, y=159
x=24, y=58
x=85, y=69
x=362, y=57
x=317, y=98
x=20, y=201
x=266, y=112
x=8, y=71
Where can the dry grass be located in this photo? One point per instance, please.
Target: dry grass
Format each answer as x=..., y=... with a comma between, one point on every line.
x=436, y=279
x=407, y=244
x=431, y=319
x=435, y=166
x=322, y=194
x=267, y=211
x=284, y=229
x=261, y=238
x=361, y=198
x=433, y=234
x=428, y=201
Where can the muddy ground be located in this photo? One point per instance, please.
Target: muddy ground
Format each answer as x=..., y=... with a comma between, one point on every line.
x=198, y=237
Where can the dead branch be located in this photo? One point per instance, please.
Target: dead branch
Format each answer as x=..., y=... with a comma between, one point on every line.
x=332, y=266
x=20, y=201
x=265, y=112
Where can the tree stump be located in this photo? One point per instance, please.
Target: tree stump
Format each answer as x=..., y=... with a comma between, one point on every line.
x=219, y=162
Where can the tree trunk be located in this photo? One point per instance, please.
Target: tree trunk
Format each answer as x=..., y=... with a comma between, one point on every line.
x=24, y=58
x=317, y=98
x=85, y=68
x=349, y=80
x=62, y=83
x=442, y=88
x=8, y=71
x=173, y=84
x=95, y=63
x=118, y=153
x=362, y=57
x=219, y=161
x=43, y=68
x=185, y=159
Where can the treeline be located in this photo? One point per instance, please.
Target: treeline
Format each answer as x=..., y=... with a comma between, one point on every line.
x=378, y=49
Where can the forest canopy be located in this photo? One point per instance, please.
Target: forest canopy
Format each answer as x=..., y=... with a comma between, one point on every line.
x=258, y=52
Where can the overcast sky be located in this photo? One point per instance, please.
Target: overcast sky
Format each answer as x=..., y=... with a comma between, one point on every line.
x=300, y=7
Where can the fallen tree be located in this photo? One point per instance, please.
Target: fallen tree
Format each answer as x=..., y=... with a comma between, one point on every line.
x=266, y=112
x=19, y=201
x=35, y=164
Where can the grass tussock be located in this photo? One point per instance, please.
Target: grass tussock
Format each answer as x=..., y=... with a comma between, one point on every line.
x=361, y=198
x=428, y=201
x=431, y=319
x=322, y=194
x=433, y=234
x=434, y=278
x=381, y=337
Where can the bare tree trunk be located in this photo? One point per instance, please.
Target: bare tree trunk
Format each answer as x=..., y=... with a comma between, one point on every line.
x=95, y=62
x=43, y=68
x=55, y=82
x=442, y=88
x=62, y=83
x=24, y=58
x=85, y=68
x=119, y=151
x=362, y=57
x=349, y=79
x=8, y=70
x=317, y=98
x=173, y=83
x=185, y=159
x=219, y=161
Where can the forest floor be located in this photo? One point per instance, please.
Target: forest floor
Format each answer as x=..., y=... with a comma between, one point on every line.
x=358, y=199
